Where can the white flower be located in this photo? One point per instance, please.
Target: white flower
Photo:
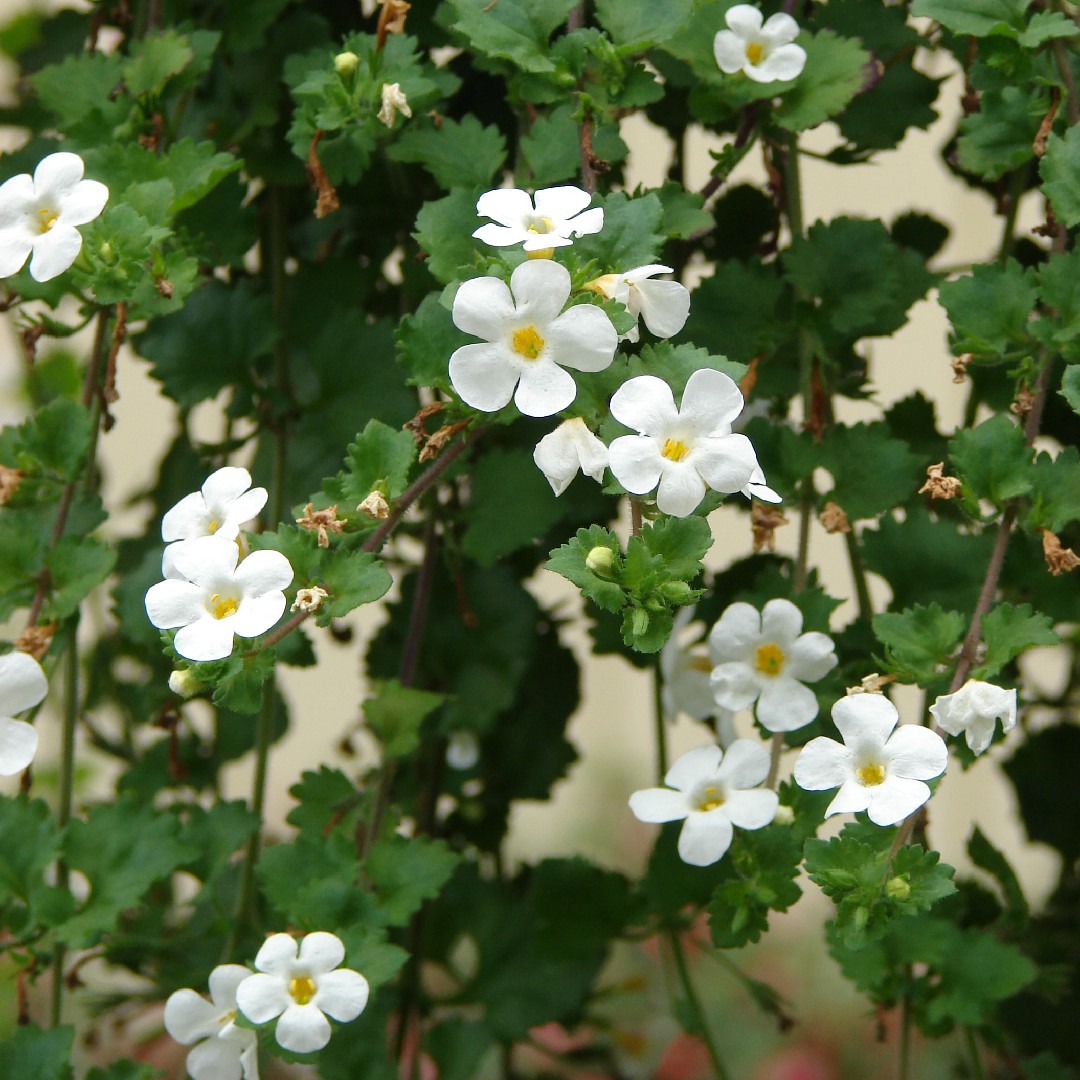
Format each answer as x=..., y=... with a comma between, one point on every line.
x=527, y=343
x=393, y=101
x=214, y=598
x=762, y=52
x=300, y=986
x=766, y=658
x=712, y=794
x=550, y=223
x=683, y=450
x=974, y=711
x=462, y=750
x=223, y=1051
x=570, y=447
x=22, y=686
x=684, y=672
x=218, y=508
x=38, y=214
x=663, y=305
x=876, y=769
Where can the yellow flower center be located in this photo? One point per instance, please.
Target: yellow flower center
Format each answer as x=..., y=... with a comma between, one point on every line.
x=212, y=527
x=710, y=799
x=769, y=659
x=754, y=52
x=871, y=775
x=46, y=219
x=221, y=607
x=674, y=449
x=540, y=226
x=527, y=342
x=302, y=989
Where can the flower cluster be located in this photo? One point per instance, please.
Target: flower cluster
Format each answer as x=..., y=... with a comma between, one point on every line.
x=297, y=984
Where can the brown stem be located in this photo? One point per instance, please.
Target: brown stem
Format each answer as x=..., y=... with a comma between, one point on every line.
x=635, y=517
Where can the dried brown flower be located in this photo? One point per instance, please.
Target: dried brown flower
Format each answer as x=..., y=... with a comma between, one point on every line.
x=323, y=522
x=833, y=518
x=764, y=521
x=1059, y=560
x=34, y=640
x=938, y=486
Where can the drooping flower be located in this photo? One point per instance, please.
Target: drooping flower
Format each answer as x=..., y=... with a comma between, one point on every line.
x=974, y=711
x=528, y=344
x=302, y=984
x=38, y=215
x=223, y=1051
x=224, y=502
x=662, y=305
x=394, y=101
x=877, y=769
x=212, y=598
x=680, y=451
x=714, y=791
x=571, y=447
x=763, y=52
x=550, y=219
x=767, y=658
x=22, y=686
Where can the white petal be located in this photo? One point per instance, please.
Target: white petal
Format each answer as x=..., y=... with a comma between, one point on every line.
x=810, y=657
x=744, y=20
x=895, y=798
x=22, y=683
x=736, y=634
x=508, y=206
x=55, y=251
x=729, y=51
x=302, y=1029
x=850, y=799
x=243, y=508
x=658, y=805
x=84, y=203
x=916, y=753
x=174, y=603
x=694, y=765
x=264, y=571
x=710, y=402
x=256, y=614
x=501, y=236
x=980, y=734
x=636, y=463
x=645, y=404
x=187, y=519
x=18, y=744
x=779, y=29
x=665, y=306
x=321, y=952
x=751, y=809
x=822, y=764
x=57, y=175
x=224, y=485
x=207, y=639
x=725, y=462
x=560, y=453
x=745, y=764
x=207, y=560
x=561, y=203
x=17, y=200
x=705, y=837
x=592, y=221
x=785, y=704
x=544, y=389
x=483, y=376
x=681, y=489
x=342, y=994
x=865, y=719
x=781, y=622
x=785, y=63
x=541, y=287
x=483, y=307
x=223, y=981
x=582, y=338
x=215, y=1059
x=262, y=997
x=189, y=1016
x=277, y=955
x=545, y=241
x=733, y=685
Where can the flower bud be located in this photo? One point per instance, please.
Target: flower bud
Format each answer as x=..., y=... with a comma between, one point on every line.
x=346, y=63
x=600, y=560
x=675, y=592
x=784, y=815
x=107, y=254
x=639, y=622
x=897, y=888
x=183, y=683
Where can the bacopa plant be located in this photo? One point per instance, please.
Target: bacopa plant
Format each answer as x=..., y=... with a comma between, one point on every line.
x=397, y=258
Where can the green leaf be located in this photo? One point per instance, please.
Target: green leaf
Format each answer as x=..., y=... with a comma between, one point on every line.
x=80, y=88
x=52, y=441
x=457, y=154
x=999, y=136
x=976, y=974
x=395, y=715
x=155, y=59
x=987, y=857
x=681, y=543
x=29, y=842
x=833, y=75
x=125, y=1070
x=352, y=578
x=684, y=211
x=993, y=460
x=1070, y=387
x=238, y=681
x=76, y=565
x=444, y=231
x=425, y=340
x=378, y=459
x=216, y=835
x=631, y=235
x=1009, y=630
x=1044, y=774
x=1059, y=286
x=458, y=1047
x=637, y=23
x=42, y=1055
x=919, y=640
x=1059, y=168
x=123, y=848
x=321, y=797
x=873, y=471
x=570, y=561
x=550, y=147
x=404, y=873
x=989, y=308
x=676, y=363
x=515, y=30
x=975, y=17
x=1057, y=490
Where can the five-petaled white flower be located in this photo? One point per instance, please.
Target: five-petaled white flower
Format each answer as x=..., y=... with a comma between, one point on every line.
x=974, y=711
x=223, y=1051
x=682, y=450
x=767, y=658
x=570, y=447
x=212, y=598
x=876, y=769
x=764, y=53
x=527, y=343
x=662, y=305
x=684, y=671
x=39, y=213
x=218, y=508
x=548, y=220
x=713, y=794
x=301, y=986
x=22, y=686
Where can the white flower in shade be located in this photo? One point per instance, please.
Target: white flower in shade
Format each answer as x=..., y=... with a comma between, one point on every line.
x=548, y=220
x=224, y=502
x=38, y=215
x=763, y=52
x=223, y=1051
x=527, y=343
x=684, y=673
x=767, y=658
x=877, y=769
x=757, y=488
x=683, y=450
x=22, y=686
x=974, y=711
x=662, y=305
x=302, y=985
x=713, y=794
x=213, y=598
x=569, y=448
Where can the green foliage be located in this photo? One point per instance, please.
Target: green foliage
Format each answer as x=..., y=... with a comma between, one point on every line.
x=464, y=154
x=873, y=471
x=405, y=873
x=993, y=460
x=998, y=137
x=834, y=74
x=514, y=30
x=1009, y=630
x=43, y=1055
x=919, y=641
x=989, y=309
x=636, y=23
x=1058, y=169
x=1040, y=771
x=395, y=715
x=51, y=444
x=28, y=845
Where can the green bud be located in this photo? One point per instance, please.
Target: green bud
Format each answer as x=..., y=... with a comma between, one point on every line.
x=675, y=592
x=183, y=683
x=639, y=622
x=107, y=254
x=897, y=888
x=600, y=560
x=861, y=918
x=346, y=63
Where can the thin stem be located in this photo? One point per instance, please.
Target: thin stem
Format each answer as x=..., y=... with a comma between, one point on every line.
x=635, y=516
x=1017, y=186
x=692, y=999
x=776, y=748
x=973, y=1053
x=661, y=726
x=903, y=1057
x=1061, y=60
x=858, y=573
x=277, y=252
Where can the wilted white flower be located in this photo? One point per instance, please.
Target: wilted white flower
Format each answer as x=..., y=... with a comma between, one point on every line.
x=302, y=985
x=571, y=447
x=763, y=53
x=394, y=101
x=527, y=343
x=223, y=1051
x=22, y=686
x=712, y=793
x=662, y=305
x=213, y=598
x=767, y=658
x=683, y=450
x=974, y=711
x=557, y=215
x=39, y=213
x=877, y=769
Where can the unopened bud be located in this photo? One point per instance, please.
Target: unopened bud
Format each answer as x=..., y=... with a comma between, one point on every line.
x=106, y=252
x=861, y=917
x=639, y=622
x=784, y=815
x=183, y=683
x=675, y=592
x=346, y=63
x=897, y=888
x=600, y=560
